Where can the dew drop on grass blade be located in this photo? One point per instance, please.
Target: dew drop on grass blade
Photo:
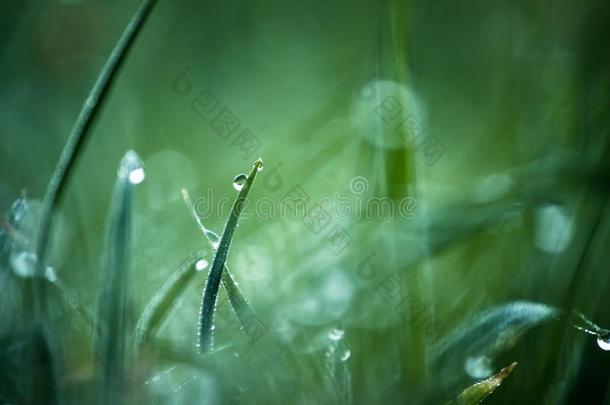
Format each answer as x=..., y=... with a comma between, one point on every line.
x=602, y=335
x=210, y=293
x=337, y=367
x=489, y=334
x=242, y=310
x=111, y=328
x=238, y=181
x=476, y=393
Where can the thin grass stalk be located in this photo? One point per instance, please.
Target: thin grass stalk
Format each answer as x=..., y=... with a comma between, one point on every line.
x=210, y=294
x=111, y=328
x=76, y=140
x=161, y=303
x=478, y=392
x=239, y=305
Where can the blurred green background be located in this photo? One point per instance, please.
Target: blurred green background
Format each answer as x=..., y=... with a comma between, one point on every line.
x=515, y=92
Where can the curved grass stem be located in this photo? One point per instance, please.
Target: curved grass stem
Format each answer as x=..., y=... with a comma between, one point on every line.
x=242, y=310
x=76, y=140
x=160, y=304
x=210, y=293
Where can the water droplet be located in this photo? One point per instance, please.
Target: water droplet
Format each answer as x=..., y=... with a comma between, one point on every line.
x=132, y=168
x=136, y=176
x=346, y=355
x=239, y=181
x=201, y=264
x=23, y=263
x=336, y=334
x=478, y=367
x=604, y=342
x=259, y=164
x=50, y=274
x=554, y=229
x=213, y=238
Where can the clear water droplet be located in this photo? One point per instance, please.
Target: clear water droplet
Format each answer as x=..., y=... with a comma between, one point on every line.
x=50, y=274
x=478, y=367
x=23, y=263
x=239, y=181
x=604, y=342
x=136, y=176
x=336, y=334
x=259, y=164
x=201, y=264
x=132, y=168
x=554, y=229
x=213, y=238
x=346, y=355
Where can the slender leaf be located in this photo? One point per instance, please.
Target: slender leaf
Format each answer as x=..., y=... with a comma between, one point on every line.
x=111, y=328
x=338, y=368
x=77, y=137
x=161, y=303
x=210, y=294
x=242, y=310
x=476, y=393
x=68, y=157
x=490, y=333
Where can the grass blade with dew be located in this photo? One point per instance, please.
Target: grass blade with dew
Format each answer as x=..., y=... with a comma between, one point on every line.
x=242, y=310
x=77, y=137
x=476, y=393
x=482, y=339
x=111, y=328
x=9, y=228
x=469, y=352
x=589, y=327
x=161, y=303
x=17, y=234
x=70, y=152
x=210, y=293
x=337, y=368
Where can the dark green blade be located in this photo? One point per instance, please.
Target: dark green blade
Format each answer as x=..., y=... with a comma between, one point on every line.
x=210, y=293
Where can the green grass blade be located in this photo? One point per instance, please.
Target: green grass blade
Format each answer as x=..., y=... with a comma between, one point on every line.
x=111, y=328
x=71, y=150
x=9, y=228
x=76, y=140
x=71, y=299
x=469, y=351
x=490, y=333
x=161, y=303
x=242, y=310
x=210, y=293
x=338, y=369
x=476, y=393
